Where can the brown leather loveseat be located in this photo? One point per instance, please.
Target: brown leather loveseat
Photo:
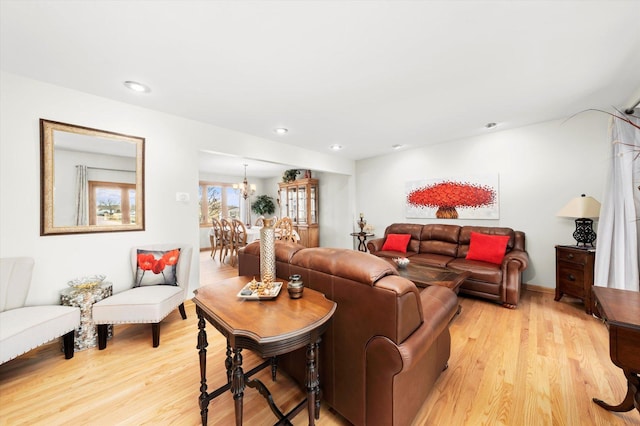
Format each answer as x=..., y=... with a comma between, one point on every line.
x=448, y=245
x=387, y=343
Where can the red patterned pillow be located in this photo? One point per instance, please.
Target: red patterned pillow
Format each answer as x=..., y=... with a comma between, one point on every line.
x=489, y=248
x=397, y=242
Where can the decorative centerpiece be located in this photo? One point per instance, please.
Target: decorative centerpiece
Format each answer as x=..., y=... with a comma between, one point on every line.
x=86, y=282
x=295, y=286
x=267, y=251
x=362, y=223
x=402, y=262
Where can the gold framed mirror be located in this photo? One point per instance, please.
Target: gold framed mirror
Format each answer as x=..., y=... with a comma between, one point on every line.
x=90, y=180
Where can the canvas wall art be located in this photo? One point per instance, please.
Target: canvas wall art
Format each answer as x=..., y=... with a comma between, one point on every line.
x=463, y=197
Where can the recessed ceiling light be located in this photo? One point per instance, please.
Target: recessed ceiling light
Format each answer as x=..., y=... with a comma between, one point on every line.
x=137, y=87
x=490, y=125
x=336, y=147
x=281, y=131
x=397, y=146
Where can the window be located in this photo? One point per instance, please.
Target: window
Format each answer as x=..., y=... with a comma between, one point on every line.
x=112, y=203
x=218, y=200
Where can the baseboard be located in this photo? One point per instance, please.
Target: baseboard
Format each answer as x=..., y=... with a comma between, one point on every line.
x=539, y=288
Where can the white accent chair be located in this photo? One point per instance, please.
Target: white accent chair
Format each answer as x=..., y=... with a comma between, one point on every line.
x=145, y=304
x=23, y=328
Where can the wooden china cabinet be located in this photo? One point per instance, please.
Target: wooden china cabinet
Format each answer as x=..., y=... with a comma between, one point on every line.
x=299, y=201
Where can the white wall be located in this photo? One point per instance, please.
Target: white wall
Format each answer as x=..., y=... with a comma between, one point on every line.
x=540, y=167
x=172, y=148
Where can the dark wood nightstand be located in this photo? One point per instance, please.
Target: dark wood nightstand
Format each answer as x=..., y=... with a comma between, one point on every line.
x=574, y=273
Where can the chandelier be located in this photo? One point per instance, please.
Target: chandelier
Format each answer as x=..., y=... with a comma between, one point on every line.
x=245, y=189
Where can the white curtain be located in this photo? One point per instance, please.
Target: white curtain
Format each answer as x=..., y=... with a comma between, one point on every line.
x=618, y=229
x=82, y=196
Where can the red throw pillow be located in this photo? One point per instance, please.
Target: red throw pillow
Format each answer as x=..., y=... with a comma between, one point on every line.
x=397, y=242
x=489, y=248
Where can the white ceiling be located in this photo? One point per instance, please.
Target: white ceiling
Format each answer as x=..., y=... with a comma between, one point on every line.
x=363, y=74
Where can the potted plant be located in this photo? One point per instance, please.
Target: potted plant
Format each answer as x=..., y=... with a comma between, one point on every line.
x=263, y=205
x=290, y=175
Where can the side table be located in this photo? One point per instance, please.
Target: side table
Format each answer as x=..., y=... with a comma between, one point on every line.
x=362, y=239
x=574, y=273
x=86, y=335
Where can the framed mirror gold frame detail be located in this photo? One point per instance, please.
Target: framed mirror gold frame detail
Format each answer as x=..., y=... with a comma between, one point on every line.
x=90, y=180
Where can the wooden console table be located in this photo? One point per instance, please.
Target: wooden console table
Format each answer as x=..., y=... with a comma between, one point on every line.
x=267, y=327
x=620, y=310
x=362, y=239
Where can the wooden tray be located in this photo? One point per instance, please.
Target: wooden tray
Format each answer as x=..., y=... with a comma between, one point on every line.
x=277, y=286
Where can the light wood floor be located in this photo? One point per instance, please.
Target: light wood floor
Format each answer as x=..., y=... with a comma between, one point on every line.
x=538, y=365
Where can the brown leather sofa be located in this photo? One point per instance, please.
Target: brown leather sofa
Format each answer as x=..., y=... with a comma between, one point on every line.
x=447, y=246
x=387, y=343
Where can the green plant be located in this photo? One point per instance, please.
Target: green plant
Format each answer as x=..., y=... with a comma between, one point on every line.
x=263, y=205
x=290, y=175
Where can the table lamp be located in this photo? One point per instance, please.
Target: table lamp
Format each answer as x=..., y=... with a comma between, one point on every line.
x=583, y=209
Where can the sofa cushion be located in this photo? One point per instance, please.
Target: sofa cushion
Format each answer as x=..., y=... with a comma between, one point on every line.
x=489, y=248
x=396, y=242
x=23, y=329
x=432, y=259
x=465, y=237
x=146, y=304
x=157, y=267
x=482, y=271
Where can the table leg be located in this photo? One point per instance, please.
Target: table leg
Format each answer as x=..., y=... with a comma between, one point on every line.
x=228, y=362
x=633, y=391
x=312, y=381
x=237, y=384
x=202, y=350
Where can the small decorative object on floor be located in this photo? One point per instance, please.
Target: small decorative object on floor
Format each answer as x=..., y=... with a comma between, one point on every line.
x=295, y=287
x=402, y=262
x=83, y=295
x=267, y=251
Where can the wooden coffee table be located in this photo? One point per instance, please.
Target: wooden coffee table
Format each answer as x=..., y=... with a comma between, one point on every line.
x=424, y=275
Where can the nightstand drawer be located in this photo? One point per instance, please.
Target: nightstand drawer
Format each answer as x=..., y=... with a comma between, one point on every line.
x=571, y=280
x=573, y=256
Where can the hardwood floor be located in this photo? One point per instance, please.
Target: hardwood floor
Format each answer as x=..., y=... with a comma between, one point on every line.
x=537, y=365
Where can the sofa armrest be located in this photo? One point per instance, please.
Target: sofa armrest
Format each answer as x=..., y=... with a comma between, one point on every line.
x=513, y=264
x=375, y=244
x=386, y=362
x=519, y=256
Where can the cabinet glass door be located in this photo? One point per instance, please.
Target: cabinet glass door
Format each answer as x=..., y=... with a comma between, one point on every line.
x=292, y=203
x=302, y=205
x=313, y=198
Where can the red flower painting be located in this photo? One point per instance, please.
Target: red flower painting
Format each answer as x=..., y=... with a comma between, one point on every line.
x=449, y=195
x=148, y=262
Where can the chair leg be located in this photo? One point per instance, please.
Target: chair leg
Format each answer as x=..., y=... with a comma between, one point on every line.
x=103, y=331
x=155, y=331
x=69, y=343
x=183, y=313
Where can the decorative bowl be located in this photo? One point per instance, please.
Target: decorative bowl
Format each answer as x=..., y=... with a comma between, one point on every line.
x=87, y=282
x=402, y=262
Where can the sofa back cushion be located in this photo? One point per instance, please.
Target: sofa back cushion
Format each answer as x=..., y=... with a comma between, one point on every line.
x=440, y=239
x=15, y=279
x=465, y=237
x=407, y=228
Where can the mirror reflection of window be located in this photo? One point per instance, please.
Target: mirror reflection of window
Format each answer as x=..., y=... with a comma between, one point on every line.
x=112, y=203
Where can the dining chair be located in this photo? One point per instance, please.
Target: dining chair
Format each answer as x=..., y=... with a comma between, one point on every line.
x=284, y=229
x=216, y=238
x=239, y=239
x=260, y=221
x=226, y=231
